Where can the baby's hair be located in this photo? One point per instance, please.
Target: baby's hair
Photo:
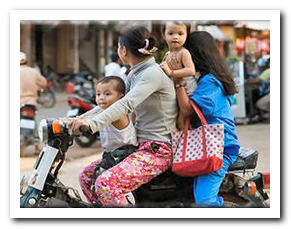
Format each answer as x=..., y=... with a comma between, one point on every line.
x=163, y=29
x=120, y=87
x=136, y=38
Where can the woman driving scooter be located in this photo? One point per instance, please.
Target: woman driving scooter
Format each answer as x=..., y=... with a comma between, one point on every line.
x=151, y=95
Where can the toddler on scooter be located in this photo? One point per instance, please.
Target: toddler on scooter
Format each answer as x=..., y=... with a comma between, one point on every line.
x=120, y=133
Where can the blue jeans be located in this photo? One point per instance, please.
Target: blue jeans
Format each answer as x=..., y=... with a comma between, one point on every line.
x=206, y=187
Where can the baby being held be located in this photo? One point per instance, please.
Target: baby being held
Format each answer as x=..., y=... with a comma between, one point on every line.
x=177, y=62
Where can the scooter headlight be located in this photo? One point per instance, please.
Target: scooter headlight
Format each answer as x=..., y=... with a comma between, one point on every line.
x=43, y=131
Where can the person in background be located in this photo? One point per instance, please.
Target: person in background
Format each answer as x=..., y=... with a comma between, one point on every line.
x=213, y=96
x=114, y=68
x=262, y=63
x=36, y=66
x=263, y=102
x=30, y=81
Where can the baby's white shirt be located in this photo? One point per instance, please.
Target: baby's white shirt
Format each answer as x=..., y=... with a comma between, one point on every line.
x=112, y=138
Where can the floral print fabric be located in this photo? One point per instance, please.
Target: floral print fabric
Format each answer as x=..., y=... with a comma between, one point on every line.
x=151, y=159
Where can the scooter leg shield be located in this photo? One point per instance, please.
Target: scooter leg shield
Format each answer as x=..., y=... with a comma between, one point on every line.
x=42, y=167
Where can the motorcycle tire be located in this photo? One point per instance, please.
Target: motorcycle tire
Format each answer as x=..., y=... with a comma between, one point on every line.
x=47, y=100
x=234, y=201
x=85, y=140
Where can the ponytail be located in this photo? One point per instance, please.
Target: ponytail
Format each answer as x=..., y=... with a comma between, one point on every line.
x=149, y=48
x=138, y=41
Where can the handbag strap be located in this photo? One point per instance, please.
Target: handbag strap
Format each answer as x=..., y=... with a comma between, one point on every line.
x=198, y=112
x=200, y=115
x=204, y=123
x=186, y=128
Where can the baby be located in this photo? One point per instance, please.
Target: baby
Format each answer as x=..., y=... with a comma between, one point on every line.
x=177, y=62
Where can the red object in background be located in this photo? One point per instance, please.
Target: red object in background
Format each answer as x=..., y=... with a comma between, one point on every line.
x=27, y=112
x=266, y=180
x=76, y=101
x=265, y=46
x=70, y=88
x=49, y=84
x=240, y=45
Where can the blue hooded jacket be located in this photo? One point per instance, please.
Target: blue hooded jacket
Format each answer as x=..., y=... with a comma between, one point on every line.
x=215, y=106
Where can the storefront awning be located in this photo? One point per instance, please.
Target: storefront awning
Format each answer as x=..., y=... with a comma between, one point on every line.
x=255, y=25
x=214, y=31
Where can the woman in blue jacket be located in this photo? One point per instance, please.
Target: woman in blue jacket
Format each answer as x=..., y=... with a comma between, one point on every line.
x=214, y=96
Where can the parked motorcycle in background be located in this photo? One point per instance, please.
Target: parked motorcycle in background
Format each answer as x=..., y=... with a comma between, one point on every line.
x=46, y=96
x=166, y=190
x=84, y=85
x=79, y=106
x=28, y=128
x=81, y=101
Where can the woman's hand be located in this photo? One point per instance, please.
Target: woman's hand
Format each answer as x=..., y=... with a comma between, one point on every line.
x=180, y=81
x=68, y=120
x=77, y=123
x=166, y=68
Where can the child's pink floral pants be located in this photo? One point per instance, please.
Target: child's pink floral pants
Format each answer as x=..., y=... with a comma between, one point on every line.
x=151, y=159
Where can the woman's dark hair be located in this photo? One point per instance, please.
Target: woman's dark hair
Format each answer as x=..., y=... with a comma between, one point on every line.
x=134, y=38
x=120, y=87
x=207, y=59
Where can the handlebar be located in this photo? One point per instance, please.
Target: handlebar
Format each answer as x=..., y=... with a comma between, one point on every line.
x=84, y=129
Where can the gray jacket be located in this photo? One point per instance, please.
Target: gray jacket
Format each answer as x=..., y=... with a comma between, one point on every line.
x=151, y=95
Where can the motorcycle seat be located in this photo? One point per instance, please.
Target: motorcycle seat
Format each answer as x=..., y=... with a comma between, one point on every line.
x=247, y=159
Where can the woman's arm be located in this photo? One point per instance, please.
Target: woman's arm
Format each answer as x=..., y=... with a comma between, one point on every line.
x=144, y=87
x=183, y=101
x=96, y=110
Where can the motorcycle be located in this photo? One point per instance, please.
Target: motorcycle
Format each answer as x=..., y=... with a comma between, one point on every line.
x=80, y=105
x=84, y=85
x=28, y=127
x=46, y=96
x=166, y=190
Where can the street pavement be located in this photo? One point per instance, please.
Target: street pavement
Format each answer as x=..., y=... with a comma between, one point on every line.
x=255, y=136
